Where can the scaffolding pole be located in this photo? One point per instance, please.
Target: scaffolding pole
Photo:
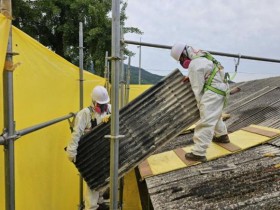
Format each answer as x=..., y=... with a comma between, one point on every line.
x=114, y=142
x=122, y=82
x=9, y=124
x=212, y=52
x=106, y=73
x=81, y=79
x=140, y=55
x=127, y=81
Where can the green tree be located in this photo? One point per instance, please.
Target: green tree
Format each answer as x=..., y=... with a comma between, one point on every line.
x=55, y=24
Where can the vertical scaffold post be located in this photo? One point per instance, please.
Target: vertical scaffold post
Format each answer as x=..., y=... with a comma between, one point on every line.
x=81, y=79
x=9, y=124
x=114, y=145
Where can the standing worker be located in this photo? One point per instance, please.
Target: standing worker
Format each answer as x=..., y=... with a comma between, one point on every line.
x=206, y=77
x=86, y=119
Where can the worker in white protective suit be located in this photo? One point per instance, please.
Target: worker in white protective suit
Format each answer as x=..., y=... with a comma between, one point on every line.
x=99, y=111
x=206, y=77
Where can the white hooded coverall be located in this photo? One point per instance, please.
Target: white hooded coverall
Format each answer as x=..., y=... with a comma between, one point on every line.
x=82, y=126
x=210, y=104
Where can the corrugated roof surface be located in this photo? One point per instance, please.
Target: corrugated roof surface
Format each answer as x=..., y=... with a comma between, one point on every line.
x=253, y=184
x=264, y=110
x=145, y=122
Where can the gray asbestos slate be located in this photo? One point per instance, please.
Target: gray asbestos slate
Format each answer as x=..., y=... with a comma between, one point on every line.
x=153, y=118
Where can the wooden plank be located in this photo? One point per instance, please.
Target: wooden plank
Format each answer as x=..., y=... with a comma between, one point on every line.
x=229, y=146
x=260, y=131
x=181, y=154
x=145, y=169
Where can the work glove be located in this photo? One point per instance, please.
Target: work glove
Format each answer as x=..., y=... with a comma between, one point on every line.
x=72, y=159
x=186, y=79
x=106, y=118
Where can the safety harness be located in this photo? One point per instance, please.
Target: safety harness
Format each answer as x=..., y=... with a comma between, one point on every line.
x=217, y=67
x=93, y=122
x=207, y=85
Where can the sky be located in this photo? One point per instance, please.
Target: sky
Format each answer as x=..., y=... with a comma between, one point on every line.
x=246, y=27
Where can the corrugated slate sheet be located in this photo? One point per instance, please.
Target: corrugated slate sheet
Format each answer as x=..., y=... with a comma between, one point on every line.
x=255, y=181
x=155, y=117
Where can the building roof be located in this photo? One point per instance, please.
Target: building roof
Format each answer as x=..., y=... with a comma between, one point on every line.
x=254, y=182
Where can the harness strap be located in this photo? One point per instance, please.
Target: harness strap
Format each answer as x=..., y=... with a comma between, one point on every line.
x=212, y=75
x=92, y=121
x=208, y=83
x=220, y=92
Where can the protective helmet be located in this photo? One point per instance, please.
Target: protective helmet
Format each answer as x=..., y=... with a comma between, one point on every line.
x=177, y=50
x=100, y=95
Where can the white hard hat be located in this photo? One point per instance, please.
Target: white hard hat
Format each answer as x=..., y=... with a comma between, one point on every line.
x=177, y=50
x=100, y=95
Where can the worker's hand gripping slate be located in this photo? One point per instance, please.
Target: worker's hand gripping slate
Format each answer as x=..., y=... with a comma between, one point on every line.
x=186, y=79
x=106, y=118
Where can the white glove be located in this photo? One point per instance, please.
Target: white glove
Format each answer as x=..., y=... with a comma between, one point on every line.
x=72, y=159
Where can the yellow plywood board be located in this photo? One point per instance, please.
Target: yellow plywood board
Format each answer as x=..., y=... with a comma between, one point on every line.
x=245, y=139
x=164, y=162
x=169, y=161
x=213, y=151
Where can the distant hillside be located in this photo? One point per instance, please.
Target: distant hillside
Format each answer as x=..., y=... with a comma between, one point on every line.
x=146, y=77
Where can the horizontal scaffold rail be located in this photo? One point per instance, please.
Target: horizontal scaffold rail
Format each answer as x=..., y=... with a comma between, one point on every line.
x=25, y=131
x=212, y=52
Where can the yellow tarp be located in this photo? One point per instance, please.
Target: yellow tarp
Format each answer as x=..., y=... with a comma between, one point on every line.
x=136, y=90
x=46, y=87
x=4, y=33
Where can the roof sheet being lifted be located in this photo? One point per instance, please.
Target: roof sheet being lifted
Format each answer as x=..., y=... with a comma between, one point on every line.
x=155, y=117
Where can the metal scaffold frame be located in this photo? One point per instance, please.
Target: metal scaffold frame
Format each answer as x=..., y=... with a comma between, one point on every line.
x=212, y=52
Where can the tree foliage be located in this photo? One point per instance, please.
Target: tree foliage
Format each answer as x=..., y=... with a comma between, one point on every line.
x=55, y=24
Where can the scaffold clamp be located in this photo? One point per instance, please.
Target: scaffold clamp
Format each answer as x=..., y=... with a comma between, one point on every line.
x=114, y=137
